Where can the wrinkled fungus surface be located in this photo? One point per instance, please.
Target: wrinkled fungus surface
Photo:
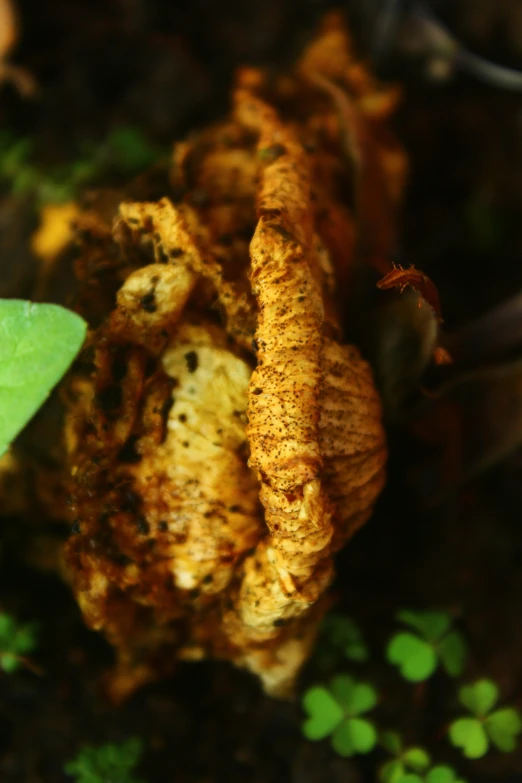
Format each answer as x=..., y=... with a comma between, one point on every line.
x=223, y=442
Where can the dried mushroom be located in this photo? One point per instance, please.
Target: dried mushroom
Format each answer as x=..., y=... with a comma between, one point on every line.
x=223, y=442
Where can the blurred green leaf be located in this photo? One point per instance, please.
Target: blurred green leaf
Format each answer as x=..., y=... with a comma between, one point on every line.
x=16, y=640
x=418, y=658
x=107, y=763
x=38, y=342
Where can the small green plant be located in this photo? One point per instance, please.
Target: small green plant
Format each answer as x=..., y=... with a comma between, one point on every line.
x=38, y=342
x=107, y=763
x=418, y=654
x=336, y=711
x=340, y=638
x=441, y=774
x=438, y=774
x=125, y=150
x=412, y=759
x=16, y=640
x=473, y=734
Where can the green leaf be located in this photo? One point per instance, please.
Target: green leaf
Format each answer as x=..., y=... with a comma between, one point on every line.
x=343, y=633
x=38, y=342
x=452, y=652
x=107, y=763
x=479, y=697
x=432, y=625
x=82, y=171
x=354, y=697
x=503, y=727
x=52, y=191
x=392, y=772
x=324, y=711
x=15, y=157
x=354, y=735
x=25, y=638
x=391, y=740
x=410, y=777
x=26, y=179
x=9, y=662
x=442, y=774
x=15, y=640
x=356, y=651
x=415, y=658
x=469, y=734
x=416, y=758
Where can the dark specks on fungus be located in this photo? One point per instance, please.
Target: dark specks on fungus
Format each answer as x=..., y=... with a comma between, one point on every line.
x=191, y=358
x=142, y=525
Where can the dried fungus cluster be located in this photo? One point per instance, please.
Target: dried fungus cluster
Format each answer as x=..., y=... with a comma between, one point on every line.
x=223, y=443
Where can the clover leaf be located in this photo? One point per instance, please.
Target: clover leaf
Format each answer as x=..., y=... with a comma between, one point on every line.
x=418, y=656
x=397, y=770
x=474, y=734
x=106, y=763
x=442, y=774
x=480, y=697
x=38, y=342
x=340, y=637
x=417, y=659
x=15, y=641
x=336, y=711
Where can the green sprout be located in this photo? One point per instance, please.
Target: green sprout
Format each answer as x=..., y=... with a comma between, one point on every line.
x=405, y=759
x=336, y=711
x=411, y=765
x=439, y=774
x=340, y=637
x=125, y=150
x=473, y=734
x=38, y=342
x=418, y=654
x=14, y=154
x=15, y=641
x=107, y=763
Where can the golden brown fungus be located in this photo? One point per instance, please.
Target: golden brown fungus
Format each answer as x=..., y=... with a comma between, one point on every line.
x=227, y=443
